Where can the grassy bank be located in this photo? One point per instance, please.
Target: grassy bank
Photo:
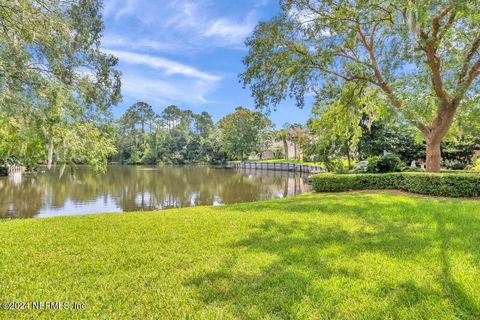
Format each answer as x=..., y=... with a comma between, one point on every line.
x=345, y=256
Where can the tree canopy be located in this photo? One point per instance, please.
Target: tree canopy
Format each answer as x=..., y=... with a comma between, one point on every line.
x=422, y=56
x=174, y=136
x=241, y=132
x=54, y=80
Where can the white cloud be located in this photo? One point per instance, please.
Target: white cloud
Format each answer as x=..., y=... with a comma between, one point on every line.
x=186, y=21
x=128, y=8
x=110, y=6
x=165, y=91
x=193, y=18
x=119, y=8
x=110, y=42
x=229, y=31
x=261, y=3
x=176, y=82
x=141, y=32
x=168, y=66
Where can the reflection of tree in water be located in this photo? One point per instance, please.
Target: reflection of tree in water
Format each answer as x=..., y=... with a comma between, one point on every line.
x=278, y=183
x=139, y=188
x=20, y=200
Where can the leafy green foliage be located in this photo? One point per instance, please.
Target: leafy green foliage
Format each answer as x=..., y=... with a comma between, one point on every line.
x=446, y=184
x=476, y=165
x=458, y=153
x=424, y=58
x=86, y=143
x=387, y=163
x=54, y=79
x=395, y=136
x=20, y=143
x=372, y=166
x=241, y=131
x=391, y=135
x=338, y=123
x=172, y=137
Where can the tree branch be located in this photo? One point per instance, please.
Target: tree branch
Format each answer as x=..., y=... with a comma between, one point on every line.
x=430, y=46
x=473, y=50
x=436, y=21
x=329, y=71
x=369, y=46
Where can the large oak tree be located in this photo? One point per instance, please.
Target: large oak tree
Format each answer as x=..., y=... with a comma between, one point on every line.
x=423, y=56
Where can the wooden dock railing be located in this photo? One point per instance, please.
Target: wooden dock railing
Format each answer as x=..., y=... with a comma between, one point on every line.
x=10, y=170
x=276, y=166
x=15, y=169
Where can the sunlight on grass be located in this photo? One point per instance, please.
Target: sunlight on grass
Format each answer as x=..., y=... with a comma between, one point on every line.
x=352, y=255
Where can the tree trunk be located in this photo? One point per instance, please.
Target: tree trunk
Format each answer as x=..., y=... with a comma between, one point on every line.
x=433, y=155
x=349, y=160
x=143, y=132
x=435, y=134
x=50, y=155
x=285, y=148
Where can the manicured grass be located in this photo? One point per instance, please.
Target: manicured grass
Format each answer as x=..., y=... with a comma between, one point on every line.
x=322, y=256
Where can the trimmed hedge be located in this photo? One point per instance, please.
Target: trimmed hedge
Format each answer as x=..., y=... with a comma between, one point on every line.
x=435, y=184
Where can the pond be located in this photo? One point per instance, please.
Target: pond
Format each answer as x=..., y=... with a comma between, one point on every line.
x=139, y=188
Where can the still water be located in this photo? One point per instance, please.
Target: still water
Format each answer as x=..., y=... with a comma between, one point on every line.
x=136, y=188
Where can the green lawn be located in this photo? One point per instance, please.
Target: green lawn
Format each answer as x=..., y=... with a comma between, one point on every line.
x=335, y=256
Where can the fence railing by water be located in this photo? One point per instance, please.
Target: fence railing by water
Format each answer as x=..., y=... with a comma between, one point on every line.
x=10, y=170
x=276, y=166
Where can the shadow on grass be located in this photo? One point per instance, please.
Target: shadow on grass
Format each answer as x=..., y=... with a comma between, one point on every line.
x=464, y=304
x=299, y=270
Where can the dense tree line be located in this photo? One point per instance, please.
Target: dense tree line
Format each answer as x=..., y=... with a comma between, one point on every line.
x=338, y=137
x=177, y=136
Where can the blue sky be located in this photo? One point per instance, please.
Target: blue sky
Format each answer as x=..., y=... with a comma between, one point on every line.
x=187, y=52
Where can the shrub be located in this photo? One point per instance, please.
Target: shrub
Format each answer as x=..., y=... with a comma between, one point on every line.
x=476, y=165
x=372, y=166
x=454, y=164
x=390, y=163
x=445, y=184
x=387, y=163
x=361, y=167
x=340, y=167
